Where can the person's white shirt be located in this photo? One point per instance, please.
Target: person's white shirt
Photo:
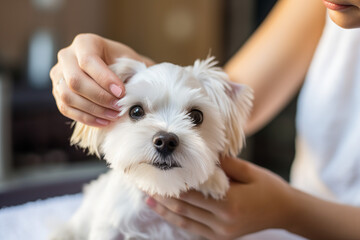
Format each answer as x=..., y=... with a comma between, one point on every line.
x=327, y=161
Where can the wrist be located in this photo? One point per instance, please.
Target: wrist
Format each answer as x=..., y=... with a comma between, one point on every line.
x=301, y=209
x=292, y=212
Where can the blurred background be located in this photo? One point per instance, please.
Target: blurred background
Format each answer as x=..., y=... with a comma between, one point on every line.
x=36, y=160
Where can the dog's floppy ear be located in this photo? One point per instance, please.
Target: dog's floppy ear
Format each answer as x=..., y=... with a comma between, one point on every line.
x=88, y=137
x=233, y=100
x=125, y=68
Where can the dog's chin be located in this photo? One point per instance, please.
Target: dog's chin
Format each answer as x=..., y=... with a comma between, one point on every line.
x=155, y=179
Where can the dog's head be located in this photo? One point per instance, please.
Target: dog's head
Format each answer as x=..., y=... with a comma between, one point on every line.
x=175, y=123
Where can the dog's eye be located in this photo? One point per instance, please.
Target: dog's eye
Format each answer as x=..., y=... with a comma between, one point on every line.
x=196, y=116
x=136, y=112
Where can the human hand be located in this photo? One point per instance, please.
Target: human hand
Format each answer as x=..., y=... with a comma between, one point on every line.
x=257, y=200
x=85, y=89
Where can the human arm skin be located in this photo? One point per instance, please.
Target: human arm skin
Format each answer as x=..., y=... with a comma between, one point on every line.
x=315, y=218
x=257, y=200
x=275, y=59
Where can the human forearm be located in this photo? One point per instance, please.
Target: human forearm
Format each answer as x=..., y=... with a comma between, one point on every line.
x=275, y=59
x=315, y=218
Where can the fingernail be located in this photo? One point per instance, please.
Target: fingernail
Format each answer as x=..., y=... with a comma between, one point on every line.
x=111, y=114
x=116, y=90
x=102, y=121
x=115, y=105
x=151, y=202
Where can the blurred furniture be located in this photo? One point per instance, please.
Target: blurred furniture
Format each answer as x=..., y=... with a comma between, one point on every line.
x=5, y=112
x=169, y=30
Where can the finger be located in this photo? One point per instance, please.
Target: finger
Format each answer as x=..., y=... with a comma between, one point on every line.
x=197, y=199
x=55, y=74
x=185, y=209
x=82, y=117
x=180, y=221
x=78, y=115
x=67, y=97
x=73, y=100
x=98, y=70
x=82, y=84
x=238, y=170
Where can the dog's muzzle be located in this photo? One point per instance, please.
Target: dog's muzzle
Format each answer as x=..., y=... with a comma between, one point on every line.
x=165, y=143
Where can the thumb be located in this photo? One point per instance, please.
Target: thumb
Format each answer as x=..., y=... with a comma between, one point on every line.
x=237, y=169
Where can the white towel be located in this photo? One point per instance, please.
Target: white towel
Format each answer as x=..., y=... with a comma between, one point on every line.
x=37, y=220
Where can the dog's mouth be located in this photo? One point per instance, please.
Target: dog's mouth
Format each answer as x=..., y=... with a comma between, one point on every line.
x=165, y=163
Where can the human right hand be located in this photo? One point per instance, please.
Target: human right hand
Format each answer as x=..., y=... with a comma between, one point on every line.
x=85, y=89
x=256, y=200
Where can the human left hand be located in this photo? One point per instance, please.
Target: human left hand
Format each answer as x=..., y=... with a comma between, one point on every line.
x=257, y=199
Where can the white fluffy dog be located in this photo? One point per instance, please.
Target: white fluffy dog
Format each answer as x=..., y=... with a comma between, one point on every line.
x=175, y=123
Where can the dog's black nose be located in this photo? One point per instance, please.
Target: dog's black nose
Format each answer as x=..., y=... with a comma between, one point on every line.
x=165, y=143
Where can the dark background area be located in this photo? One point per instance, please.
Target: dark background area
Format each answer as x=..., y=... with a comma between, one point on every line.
x=39, y=135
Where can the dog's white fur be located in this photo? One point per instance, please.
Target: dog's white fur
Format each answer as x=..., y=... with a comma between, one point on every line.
x=114, y=205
